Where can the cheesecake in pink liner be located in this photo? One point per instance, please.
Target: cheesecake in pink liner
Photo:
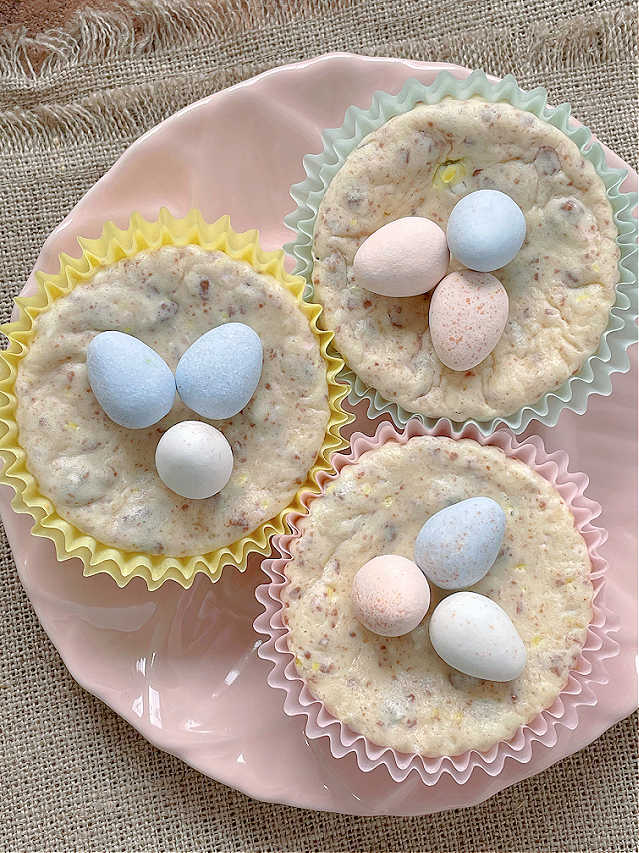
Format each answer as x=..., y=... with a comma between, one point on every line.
x=393, y=700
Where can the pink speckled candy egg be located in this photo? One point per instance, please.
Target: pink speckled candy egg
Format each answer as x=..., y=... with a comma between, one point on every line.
x=468, y=314
x=403, y=258
x=390, y=595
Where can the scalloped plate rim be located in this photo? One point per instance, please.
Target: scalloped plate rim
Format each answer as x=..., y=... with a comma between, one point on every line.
x=36, y=597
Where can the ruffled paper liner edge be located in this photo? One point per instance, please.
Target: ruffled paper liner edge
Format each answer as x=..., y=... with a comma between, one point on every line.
x=583, y=681
x=113, y=245
x=611, y=357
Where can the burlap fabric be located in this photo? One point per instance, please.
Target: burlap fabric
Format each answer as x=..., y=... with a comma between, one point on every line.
x=75, y=776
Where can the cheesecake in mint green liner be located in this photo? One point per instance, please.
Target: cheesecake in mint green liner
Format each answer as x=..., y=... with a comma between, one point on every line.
x=571, y=287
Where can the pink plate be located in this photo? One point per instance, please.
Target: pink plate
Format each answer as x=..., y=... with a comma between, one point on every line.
x=181, y=666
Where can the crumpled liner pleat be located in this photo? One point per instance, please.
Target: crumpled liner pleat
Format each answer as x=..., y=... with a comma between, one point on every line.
x=583, y=682
x=611, y=356
x=113, y=245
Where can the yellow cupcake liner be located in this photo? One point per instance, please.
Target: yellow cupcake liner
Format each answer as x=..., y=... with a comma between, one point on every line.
x=113, y=245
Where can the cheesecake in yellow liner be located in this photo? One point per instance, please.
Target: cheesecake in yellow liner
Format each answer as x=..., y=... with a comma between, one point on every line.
x=91, y=484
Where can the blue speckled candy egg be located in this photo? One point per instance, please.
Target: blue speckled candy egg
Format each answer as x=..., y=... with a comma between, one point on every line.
x=219, y=372
x=132, y=383
x=485, y=230
x=458, y=545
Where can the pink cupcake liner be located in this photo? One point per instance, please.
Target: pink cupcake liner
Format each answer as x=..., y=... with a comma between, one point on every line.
x=584, y=681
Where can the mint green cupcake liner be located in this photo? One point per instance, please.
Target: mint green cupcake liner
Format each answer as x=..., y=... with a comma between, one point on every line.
x=612, y=355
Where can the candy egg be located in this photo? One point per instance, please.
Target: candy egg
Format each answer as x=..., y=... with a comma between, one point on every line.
x=467, y=316
x=458, y=545
x=390, y=595
x=473, y=634
x=485, y=230
x=403, y=258
x=131, y=382
x=219, y=372
x=194, y=459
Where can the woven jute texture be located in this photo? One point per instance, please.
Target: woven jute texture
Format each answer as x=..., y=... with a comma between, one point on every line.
x=74, y=775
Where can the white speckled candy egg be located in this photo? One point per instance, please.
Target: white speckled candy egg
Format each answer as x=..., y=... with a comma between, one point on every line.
x=219, y=372
x=132, y=383
x=390, y=595
x=467, y=316
x=194, y=459
x=485, y=230
x=403, y=258
x=473, y=634
x=457, y=546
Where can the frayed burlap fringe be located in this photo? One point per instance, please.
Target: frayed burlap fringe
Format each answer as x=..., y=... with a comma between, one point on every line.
x=139, y=27
x=75, y=776
x=43, y=109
